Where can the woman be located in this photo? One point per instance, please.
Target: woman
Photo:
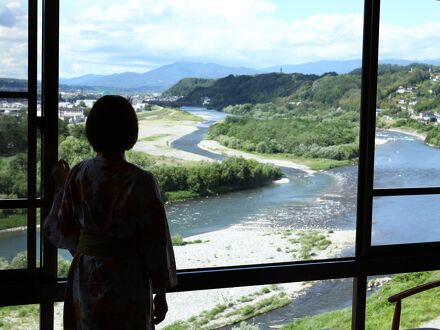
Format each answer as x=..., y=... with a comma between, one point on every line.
x=110, y=216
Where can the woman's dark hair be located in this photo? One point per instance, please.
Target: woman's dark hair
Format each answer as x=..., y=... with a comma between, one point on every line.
x=112, y=125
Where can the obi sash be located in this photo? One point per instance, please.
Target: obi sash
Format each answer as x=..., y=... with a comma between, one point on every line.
x=105, y=246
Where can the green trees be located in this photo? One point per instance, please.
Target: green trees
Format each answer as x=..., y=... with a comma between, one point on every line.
x=208, y=178
x=13, y=134
x=20, y=261
x=242, y=89
x=327, y=137
x=73, y=150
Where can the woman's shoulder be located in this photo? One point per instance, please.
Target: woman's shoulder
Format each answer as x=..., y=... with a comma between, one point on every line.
x=146, y=183
x=142, y=174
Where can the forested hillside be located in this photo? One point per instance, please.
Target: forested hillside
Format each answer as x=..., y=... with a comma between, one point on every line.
x=244, y=89
x=187, y=85
x=315, y=117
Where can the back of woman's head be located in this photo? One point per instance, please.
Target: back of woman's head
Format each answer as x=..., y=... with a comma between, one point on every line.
x=112, y=125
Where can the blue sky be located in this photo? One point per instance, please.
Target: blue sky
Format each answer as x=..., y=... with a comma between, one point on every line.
x=399, y=12
x=110, y=36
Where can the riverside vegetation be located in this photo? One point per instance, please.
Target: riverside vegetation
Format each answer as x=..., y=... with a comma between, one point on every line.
x=313, y=119
x=177, y=180
x=416, y=310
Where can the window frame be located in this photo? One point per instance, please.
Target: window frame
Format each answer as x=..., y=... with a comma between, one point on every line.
x=40, y=285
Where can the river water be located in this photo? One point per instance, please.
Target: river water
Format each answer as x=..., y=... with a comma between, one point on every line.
x=324, y=200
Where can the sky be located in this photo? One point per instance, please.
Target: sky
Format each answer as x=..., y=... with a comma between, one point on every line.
x=113, y=36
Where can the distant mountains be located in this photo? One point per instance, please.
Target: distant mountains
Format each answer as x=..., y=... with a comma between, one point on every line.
x=164, y=77
x=158, y=79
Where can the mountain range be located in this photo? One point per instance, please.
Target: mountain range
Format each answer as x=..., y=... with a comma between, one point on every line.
x=160, y=79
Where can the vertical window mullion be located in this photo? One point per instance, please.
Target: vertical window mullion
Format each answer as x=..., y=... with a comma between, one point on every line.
x=32, y=134
x=49, y=98
x=366, y=153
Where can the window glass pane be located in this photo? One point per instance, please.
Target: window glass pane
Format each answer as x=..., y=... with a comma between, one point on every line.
x=13, y=241
x=305, y=305
x=20, y=317
x=406, y=219
x=279, y=83
x=408, y=105
x=13, y=45
x=13, y=148
x=418, y=311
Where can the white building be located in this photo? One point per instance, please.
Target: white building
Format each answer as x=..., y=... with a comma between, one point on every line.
x=88, y=102
x=71, y=115
x=65, y=105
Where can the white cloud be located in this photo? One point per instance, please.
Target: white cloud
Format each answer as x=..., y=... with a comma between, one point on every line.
x=417, y=42
x=13, y=40
x=139, y=35
x=244, y=32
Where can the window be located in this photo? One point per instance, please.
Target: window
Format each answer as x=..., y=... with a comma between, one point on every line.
x=406, y=123
x=370, y=210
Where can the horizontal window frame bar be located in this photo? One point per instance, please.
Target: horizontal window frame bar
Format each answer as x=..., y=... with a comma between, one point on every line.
x=13, y=95
x=17, y=286
x=21, y=203
x=388, y=192
x=412, y=249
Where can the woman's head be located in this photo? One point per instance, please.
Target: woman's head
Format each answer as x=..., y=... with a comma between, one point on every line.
x=112, y=125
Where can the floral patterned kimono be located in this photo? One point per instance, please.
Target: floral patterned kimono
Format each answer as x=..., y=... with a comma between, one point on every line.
x=111, y=218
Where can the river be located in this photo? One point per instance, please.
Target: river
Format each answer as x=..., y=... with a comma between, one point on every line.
x=324, y=200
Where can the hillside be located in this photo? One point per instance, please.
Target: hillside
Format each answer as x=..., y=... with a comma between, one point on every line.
x=163, y=77
x=157, y=79
x=312, y=91
x=187, y=85
x=232, y=90
x=318, y=117
x=13, y=85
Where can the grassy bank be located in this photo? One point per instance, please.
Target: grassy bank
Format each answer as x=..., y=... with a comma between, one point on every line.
x=173, y=114
x=316, y=164
x=185, y=195
x=14, y=218
x=304, y=244
x=19, y=317
x=235, y=310
x=416, y=310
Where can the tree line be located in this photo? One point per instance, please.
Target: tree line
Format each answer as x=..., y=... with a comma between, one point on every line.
x=175, y=181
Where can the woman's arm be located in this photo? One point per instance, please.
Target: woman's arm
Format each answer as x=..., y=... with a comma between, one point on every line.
x=61, y=213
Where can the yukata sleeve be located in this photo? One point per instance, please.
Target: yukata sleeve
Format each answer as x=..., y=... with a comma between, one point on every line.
x=61, y=227
x=156, y=250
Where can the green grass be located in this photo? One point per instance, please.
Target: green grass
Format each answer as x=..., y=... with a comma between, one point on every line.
x=263, y=306
x=305, y=243
x=232, y=312
x=416, y=310
x=159, y=113
x=184, y=195
x=19, y=317
x=153, y=137
x=181, y=195
x=13, y=220
x=316, y=164
x=177, y=240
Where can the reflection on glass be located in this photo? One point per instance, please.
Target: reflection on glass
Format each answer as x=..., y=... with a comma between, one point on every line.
x=13, y=148
x=13, y=238
x=418, y=311
x=406, y=219
x=13, y=45
x=20, y=317
x=264, y=307
x=408, y=91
